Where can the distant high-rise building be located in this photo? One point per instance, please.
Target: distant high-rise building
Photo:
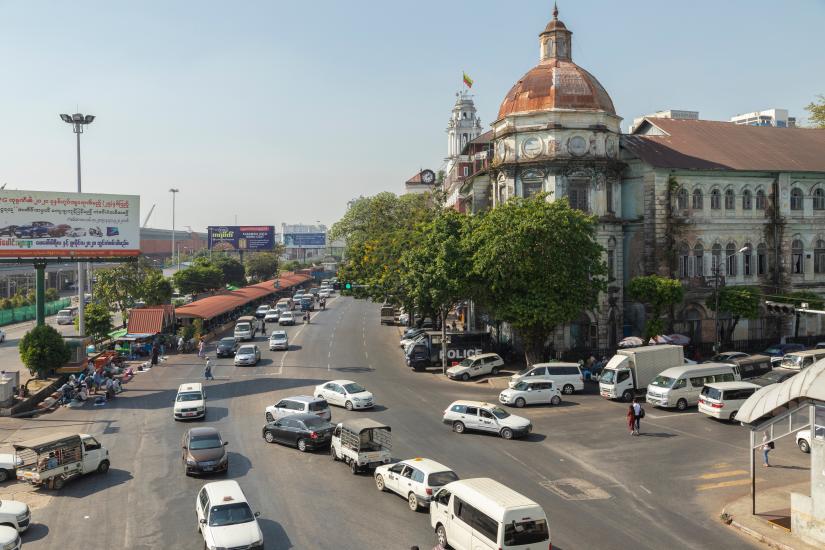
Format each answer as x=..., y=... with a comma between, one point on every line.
x=769, y=117
x=678, y=114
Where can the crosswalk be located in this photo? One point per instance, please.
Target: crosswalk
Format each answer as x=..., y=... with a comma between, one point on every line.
x=721, y=477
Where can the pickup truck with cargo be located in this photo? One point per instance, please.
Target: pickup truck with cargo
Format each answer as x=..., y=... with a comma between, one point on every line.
x=361, y=443
x=245, y=327
x=426, y=350
x=630, y=371
x=53, y=460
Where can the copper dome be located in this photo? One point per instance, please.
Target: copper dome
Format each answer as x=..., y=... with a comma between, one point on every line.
x=556, y=84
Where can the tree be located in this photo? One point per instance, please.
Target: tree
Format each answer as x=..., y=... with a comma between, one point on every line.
x=538, y=266
x=42, y=350
x=232, y=271
x=121, y=286
x=800, y=297
x=5, y=303
x=737, y=302
x=98, y=320
x=661, y=293
x=262, y=266
x=816, y=110
x=198, y=278
x=156, y=289
x=52, y=295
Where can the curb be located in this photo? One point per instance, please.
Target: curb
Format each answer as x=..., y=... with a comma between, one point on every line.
x=758, y=536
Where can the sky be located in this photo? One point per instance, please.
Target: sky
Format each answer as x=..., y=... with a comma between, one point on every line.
x=281, y=112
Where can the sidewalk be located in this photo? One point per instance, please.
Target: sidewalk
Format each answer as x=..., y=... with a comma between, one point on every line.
x=771, y=525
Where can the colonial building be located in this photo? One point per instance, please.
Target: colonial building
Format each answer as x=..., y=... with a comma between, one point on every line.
x=463, y=127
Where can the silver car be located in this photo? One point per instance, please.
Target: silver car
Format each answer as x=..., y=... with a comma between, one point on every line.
x=279, y=341
x=247, y=355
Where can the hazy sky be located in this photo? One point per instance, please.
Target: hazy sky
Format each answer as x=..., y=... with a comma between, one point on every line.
x=283, y=111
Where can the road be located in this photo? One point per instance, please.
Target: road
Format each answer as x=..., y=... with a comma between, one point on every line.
x=600, y=487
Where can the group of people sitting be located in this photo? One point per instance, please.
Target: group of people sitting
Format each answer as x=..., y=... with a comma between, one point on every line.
x=79, y=388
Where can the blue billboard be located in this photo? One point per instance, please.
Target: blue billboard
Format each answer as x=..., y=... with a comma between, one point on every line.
x=305, y=240
x=241, y=237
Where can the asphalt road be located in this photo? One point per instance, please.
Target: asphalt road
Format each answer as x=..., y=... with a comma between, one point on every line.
x=600, y=487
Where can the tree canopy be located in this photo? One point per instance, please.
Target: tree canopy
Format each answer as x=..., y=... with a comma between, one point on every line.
x=42, y=350
x=660, y=293
x=816, y=112
x=124, y=284
x=738, y=302
x=262, y=266
x=198, y=278
x=232, y=270
x=98, y=320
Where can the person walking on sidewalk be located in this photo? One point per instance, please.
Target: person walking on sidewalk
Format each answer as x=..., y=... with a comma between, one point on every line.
x=638, y=414
x=767, y=446
x=207, y=370
x=201, y=348
x=631, y=420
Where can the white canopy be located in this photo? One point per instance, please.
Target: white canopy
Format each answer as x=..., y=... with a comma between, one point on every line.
x=808, y=384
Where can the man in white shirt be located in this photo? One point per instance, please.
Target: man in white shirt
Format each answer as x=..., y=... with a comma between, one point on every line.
x=637, y=416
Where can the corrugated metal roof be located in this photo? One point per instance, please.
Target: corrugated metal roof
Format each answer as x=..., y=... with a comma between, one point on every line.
x=210, y=307
x=714, y=145
x=146, y=320
x=808, y=384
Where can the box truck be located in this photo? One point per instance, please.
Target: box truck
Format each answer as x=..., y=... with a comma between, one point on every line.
x=630, y=371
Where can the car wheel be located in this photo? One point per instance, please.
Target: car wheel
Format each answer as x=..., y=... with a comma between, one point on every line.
x=269, y=417
x=733, y=416
x=4, y=475
x=804, y=446
x=568, y=389
x=302, y=445
x=412, y=502
x=458, y=427
x=332, y=454
x=682, y=404
x=627, y=396
x=441, y=536
x=379, y=482
x=348, y=405
x=353, y=467
x=103, y=467
x=494, y=371
x=465, y=377
x=269, y=437
x=520, y=402
x=507, y=433
x=555, y=400
x=58, y=483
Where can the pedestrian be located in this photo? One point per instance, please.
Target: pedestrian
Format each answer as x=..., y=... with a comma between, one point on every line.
x=638, y=414
x=201, y=348
x=767, y=446
x=155, y=351
x=180, y=344
x=207, y=370
x=630, y=417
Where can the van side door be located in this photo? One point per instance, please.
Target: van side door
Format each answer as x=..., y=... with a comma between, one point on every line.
x=461, y=534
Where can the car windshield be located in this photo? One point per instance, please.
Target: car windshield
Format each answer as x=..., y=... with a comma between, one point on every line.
x=499, y=413
x=209, y=442
x=190, y=396
x=230, y=514
x=437, y=479
x=521, y=386
x=227, y=342
x=525, y=532
x=286, y=315
x=242, y=326
x=278, y=336
x=316, y=423
x=773, y=350
x=792, y=361
x=246, y=349
x=607, y=376
x=663, y=381
x=354, y=388
x=263, y=308
x=465, y=363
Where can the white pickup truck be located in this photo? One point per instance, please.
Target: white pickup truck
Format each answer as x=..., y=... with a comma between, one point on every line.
x=53, y=460
x=361, y=443
x=8, y=467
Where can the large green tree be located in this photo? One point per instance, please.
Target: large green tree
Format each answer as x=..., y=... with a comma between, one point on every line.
x=735, y=303
x=816, y=112
x=660, y=293
x=42, y=350
x=123, y=285
x=156, y=289
x=539, y=266
x=198, y=278
x=98, y=320
x=232, y=270
x=262, y=266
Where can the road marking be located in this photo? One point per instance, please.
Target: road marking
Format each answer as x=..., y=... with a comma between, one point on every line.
x=669, y=415
x=575, y=489
x=723, y=484
x=717, y=475
x=648, y=491
x=283, y=357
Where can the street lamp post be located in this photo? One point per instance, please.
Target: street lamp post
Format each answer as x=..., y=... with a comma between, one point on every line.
x=174, y=193
x=717, y=344
x=78, y=122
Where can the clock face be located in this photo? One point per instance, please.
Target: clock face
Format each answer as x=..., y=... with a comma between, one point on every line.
x=531, y=147
x=577, y=146
x=427, y=176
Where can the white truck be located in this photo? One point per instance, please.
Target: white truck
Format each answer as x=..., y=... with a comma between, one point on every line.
x=8, y=467
x=630, y=371
x=361, y=443
x=53, y=460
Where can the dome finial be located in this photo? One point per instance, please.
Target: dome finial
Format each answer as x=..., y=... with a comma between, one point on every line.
x=555, y=11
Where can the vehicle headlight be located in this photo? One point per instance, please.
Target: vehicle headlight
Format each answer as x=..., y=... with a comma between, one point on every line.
x=357, y=399
x=200, y=409
x=191, y=461
x=23, y=516
x=11, y=545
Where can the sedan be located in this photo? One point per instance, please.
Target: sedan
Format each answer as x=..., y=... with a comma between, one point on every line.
x=204, y=452
x=727, y=357
x=272, y=316
x=416, y=479
x=278, y=340
x=287, y=318
x=248, y=355
x=345, y=393
x=261, y=312
x=304, y=431
x=227, y=347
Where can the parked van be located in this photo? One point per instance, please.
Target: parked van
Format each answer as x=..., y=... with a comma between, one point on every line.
x=481, y=513
x=567, y=376
x=799, y=360
x=66, y=316
x=680, y=387
x=387, y=314
x=752, y=366
x=722, y=399
x=245, y=327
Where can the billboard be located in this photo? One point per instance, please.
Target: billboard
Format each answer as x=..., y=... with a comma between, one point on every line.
x=46, y=224
x=243, y=237
x=305, y=240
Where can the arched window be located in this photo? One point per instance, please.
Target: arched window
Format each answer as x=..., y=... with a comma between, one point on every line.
x=796, y=198
x=698, y=202
x=682, y=199
x=819, y=199
x=819, y=256
x=684, y=260
x=760, y=200
x=747, y=200
x=715, y=200
x=797, y=257
x=761, y=259
x=729, y=199
x=747, y=260
x=730, y=256
x=716, y=251
x=699, y=259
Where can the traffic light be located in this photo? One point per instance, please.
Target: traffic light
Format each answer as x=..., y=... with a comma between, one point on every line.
x=780, y=308
x=348, y=286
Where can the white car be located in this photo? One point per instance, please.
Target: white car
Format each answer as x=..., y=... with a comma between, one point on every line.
x=272, y=316
x=9, y=538
x=299, y=404
x=247, y=355
x=286, y=318
x=262, y=311
x=803, y=438
x=531, y=393
x=278, y=340
x=345, y=393
x=416, y=479
x=476, y=365
x=8, y=467
x=190, y=402
x=15, y=514
x=323, y=294
x=225, y=519
x=485, y=417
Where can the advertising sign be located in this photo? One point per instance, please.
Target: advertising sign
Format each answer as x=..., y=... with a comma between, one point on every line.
x=244, y=237
x=305, y=240
x=45, y=224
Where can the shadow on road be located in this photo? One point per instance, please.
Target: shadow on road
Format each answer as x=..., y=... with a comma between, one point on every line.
x=239, y=465
x=274, y=535
x=354, y=369
x=94, y=483
x=36, y=531
x=656, y=434
x=215, y=413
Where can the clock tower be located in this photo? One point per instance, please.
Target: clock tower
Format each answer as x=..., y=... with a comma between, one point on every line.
x=463, y=127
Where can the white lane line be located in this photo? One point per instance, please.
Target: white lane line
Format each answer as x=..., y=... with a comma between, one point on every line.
x=669, y=415
x=329, y=366
x=648, y=491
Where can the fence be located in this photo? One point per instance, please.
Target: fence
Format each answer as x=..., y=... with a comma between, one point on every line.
x=27, y=313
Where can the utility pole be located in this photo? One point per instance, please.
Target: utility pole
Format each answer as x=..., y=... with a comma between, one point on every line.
x=174, y=193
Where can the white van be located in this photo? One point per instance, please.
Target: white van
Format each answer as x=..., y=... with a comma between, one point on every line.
x=680, y=387
x=722, y=399
x=190, y=402
x=245, y=328
x=66, y=316
x=481, y=513
x=799, y=360
x=284, y=304
x=567, y=376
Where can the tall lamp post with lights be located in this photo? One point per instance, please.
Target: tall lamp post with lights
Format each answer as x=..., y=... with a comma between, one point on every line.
x=174, y=193
x=78, y=122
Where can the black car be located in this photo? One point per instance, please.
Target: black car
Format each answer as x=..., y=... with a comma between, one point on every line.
x=227, y=347
x=305, y=431
x=774, y=377
x=780, y=350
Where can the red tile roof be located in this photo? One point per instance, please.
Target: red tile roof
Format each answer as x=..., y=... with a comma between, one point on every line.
x=713, y=145
x=146, y=320
x=210, y=307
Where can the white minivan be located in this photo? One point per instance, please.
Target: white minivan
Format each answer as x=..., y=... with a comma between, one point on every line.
x=481, y=513
x=567, y=376
x=66, y=316
x=680, y=387
x=722, y=399
x=190, y=402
